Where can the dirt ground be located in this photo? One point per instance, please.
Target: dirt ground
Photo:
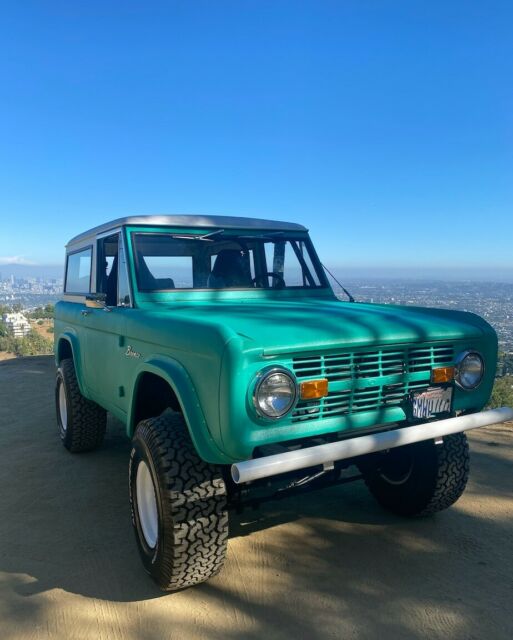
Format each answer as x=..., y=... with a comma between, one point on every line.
x=329, y=565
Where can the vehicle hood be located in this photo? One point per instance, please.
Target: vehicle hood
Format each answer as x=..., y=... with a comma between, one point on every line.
x=287, y=326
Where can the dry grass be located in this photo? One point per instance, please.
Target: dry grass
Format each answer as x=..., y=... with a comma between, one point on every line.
x=42, y=329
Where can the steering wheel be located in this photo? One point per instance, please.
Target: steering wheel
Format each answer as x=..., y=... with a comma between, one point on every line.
x=279, y=280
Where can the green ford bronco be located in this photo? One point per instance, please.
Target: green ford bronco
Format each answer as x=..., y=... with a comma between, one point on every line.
x=240, y=377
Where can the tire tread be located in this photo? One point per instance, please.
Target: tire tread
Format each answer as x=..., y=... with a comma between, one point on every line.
x=452, y=475
x=195, y=512
x=87, y=421
x=438, y=480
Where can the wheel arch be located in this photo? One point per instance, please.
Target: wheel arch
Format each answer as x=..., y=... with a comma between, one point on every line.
x=68, y=346
x=173, y=388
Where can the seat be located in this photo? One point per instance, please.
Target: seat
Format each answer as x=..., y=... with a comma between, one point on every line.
x=147, y=281
x=145, y=278
x=231, y=269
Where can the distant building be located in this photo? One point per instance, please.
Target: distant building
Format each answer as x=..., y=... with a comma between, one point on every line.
x=17, y=324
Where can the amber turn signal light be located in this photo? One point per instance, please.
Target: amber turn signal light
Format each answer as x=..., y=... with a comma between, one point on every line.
x=313, y=389
x=442, y=374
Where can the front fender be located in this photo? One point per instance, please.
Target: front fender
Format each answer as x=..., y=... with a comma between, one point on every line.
x=182, y=385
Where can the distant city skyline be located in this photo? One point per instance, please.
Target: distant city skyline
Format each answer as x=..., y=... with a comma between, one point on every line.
x=494, y=303
x=446, y=273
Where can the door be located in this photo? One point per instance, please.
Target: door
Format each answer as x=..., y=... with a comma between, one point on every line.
x=105, y=335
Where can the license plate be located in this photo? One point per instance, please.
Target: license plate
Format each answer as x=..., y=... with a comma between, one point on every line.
x=431, y=402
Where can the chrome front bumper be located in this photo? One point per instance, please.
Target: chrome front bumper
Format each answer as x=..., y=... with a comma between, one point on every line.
x=325, y=454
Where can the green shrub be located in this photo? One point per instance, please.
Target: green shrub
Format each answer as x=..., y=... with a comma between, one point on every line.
x=502, y=394
x=44, y=313
x=7, y=341
x=34, y=344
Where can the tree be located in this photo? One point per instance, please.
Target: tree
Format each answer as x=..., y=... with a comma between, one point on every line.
x=7, y=340
x=502, y=394
x=46, y=312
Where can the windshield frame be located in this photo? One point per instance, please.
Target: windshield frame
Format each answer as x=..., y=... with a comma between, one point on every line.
x=201, y=235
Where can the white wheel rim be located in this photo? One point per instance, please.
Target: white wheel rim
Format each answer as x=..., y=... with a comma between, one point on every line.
x=147, y=505
x=63, y=409
x=402, y=479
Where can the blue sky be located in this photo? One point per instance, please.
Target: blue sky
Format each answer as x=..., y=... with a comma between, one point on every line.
x=385, y=127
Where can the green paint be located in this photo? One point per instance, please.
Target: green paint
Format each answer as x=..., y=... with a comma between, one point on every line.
x=209, y=346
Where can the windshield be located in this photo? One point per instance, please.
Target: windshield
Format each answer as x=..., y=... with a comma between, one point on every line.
x=219, y=260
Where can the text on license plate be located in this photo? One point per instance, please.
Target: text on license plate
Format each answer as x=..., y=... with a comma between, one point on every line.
x=432, y=402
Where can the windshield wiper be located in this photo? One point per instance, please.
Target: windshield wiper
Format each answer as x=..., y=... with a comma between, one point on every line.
x=265, y=236
x=206, y=236
x=351, y=299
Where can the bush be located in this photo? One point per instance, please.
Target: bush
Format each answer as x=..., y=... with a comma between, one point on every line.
x=6, y=339
x=7, y=343
x=34, y=344
x=44, y=313
x=502, y=394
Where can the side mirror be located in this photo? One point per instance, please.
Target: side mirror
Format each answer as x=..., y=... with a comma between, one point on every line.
x=97, y=301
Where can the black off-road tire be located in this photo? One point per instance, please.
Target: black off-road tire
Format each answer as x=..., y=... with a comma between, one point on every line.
x=191, y=505
x=421, y=478
x=82, y=428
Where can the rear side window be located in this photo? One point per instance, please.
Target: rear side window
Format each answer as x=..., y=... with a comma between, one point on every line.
x=78, y=272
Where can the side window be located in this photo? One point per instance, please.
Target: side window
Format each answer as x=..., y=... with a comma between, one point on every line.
x=112, y=271
x=292, y=261
x=107, y=269
x=123, y=284
x=78, y=272
x=298, y=266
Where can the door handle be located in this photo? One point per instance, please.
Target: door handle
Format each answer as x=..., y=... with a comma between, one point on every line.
x=85, y=312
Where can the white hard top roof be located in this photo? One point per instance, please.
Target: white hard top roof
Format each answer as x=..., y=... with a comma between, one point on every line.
x=223, y=222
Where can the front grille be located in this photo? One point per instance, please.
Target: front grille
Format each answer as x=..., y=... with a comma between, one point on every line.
x=363, y=380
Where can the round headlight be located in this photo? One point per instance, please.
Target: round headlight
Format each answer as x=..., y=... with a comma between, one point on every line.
x=469, y=369
x=275, y=393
